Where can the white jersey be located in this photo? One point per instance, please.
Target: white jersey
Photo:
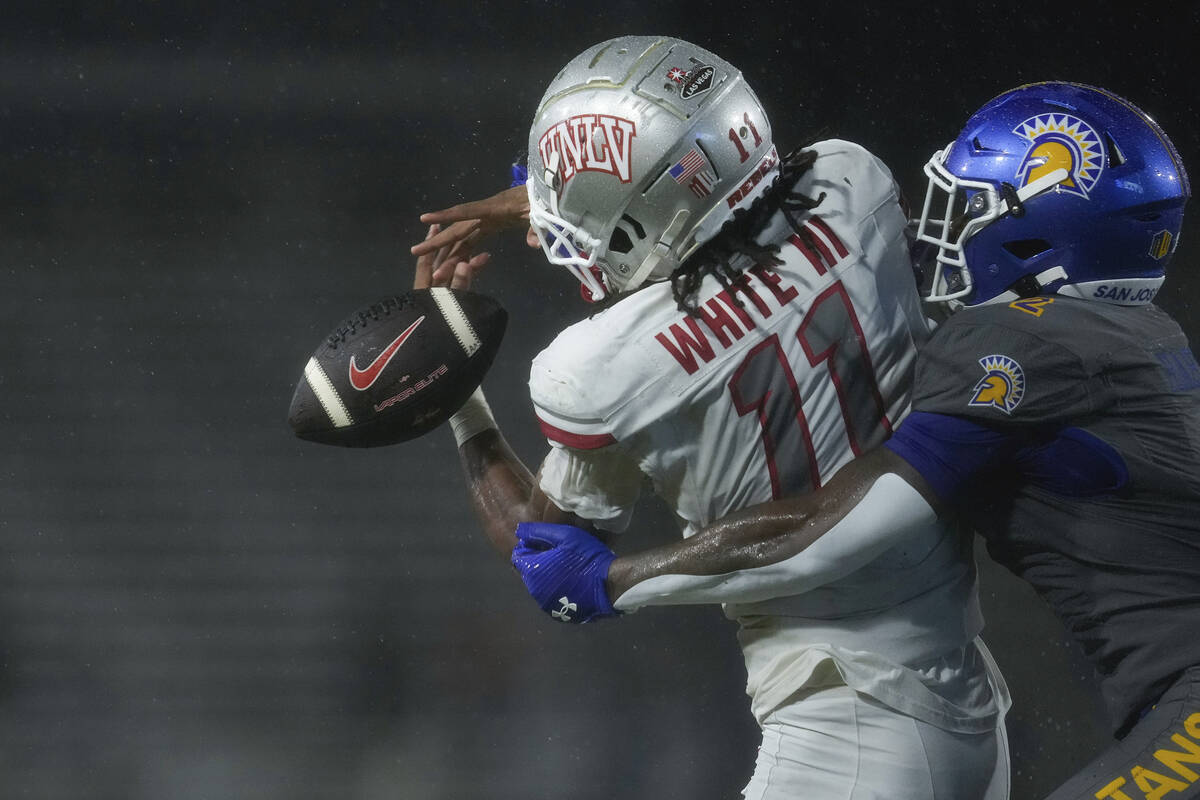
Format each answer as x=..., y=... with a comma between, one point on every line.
x=775, y=384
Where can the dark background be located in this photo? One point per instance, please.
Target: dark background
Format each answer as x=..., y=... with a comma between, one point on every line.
x=193, y=604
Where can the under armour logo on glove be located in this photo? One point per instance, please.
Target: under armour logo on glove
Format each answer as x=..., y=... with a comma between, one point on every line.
x=564, y=569
x=562, y=614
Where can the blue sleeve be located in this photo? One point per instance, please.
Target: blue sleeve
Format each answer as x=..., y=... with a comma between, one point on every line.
x=950, y=451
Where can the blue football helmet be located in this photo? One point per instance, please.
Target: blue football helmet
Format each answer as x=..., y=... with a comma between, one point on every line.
x=1054, y=188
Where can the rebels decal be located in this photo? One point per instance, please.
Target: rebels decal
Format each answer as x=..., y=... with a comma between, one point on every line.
x=764, y=168
x=590, y=143
x=814, y=240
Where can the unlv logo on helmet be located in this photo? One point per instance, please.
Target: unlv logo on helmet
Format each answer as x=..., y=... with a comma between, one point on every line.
x=590, y=143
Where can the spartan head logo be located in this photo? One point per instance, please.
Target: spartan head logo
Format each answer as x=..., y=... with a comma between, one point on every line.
x=1002, y=387
x=1061, y=140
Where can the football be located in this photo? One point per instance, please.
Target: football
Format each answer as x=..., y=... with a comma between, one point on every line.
x=397, y=368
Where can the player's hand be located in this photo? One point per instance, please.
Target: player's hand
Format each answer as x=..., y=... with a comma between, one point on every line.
x=467, y=224
x=440, y=267
x=564, y=569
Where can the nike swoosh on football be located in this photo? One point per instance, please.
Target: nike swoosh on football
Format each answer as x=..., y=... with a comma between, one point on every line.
x=363, y=379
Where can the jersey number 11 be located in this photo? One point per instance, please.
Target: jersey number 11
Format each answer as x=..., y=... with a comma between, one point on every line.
x=765, y=385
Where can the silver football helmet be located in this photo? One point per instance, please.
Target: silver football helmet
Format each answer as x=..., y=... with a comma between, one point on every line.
x=640, y=150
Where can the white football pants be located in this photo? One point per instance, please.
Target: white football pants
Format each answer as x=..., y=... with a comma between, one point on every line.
x=838, y=744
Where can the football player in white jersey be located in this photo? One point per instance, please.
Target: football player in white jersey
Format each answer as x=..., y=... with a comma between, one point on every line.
x=759, y=330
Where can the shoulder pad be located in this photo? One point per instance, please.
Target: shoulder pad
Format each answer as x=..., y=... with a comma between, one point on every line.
x=856, y=185
x=852, y=165
x=580, y=384
x=994, y=363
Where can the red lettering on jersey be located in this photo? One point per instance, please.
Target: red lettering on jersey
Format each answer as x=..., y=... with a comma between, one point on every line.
x=718, y=320
x=688, y=344
x=742, y=286
x=772, y=281
x=803, y=247
x=824, y=228
x=733, y=305
x=811, y=241
x=824, y=250
x=829, y=356
x=685, y=348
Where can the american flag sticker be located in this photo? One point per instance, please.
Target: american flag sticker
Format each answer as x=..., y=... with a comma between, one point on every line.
x=687, y=166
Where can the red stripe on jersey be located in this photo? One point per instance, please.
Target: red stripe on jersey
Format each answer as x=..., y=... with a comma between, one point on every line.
x=580, y=441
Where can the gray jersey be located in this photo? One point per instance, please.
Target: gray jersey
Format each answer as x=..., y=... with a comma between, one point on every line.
x=1100, y=512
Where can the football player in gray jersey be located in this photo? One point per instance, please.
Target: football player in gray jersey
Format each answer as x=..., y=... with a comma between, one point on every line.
x=1057, y=412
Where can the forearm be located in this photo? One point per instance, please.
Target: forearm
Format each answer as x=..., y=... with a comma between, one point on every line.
x=781, y=548
x=503, y=491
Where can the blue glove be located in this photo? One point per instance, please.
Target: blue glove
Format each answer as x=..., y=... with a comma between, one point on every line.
x=564, y=568
x=520, y=174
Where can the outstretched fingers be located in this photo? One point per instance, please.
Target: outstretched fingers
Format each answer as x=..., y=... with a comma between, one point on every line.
x=465, y=223
x=461, y=235
x=472, y=210
x=464, y=272
x=426, y=262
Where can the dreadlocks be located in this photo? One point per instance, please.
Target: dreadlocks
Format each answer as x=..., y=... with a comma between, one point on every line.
x=737, y=237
